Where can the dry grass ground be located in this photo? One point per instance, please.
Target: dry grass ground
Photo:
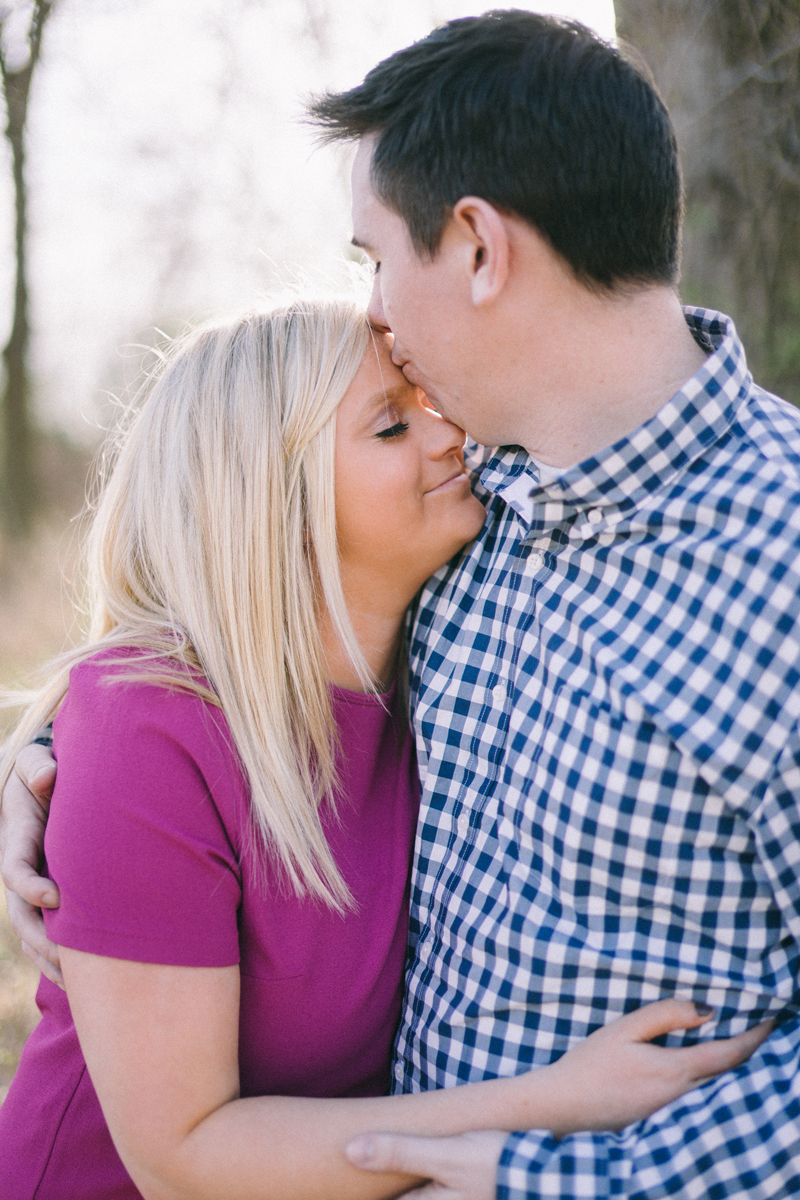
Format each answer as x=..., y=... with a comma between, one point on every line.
x=18, y=1013
x=36, y=622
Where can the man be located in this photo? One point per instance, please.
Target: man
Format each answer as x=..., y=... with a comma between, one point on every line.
x=605, y=684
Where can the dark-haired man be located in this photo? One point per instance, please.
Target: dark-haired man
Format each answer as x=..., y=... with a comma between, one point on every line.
x=605, y=684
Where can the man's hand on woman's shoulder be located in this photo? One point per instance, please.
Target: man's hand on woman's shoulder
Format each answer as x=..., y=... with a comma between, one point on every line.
x=23, y=816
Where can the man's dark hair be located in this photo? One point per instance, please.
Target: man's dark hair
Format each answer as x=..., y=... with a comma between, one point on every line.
x=538, y=116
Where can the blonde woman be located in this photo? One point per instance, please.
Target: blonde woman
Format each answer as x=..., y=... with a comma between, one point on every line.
x=231, y=735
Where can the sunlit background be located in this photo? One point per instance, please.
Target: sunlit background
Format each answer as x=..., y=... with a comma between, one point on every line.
x=169, y=176
x=170, y=173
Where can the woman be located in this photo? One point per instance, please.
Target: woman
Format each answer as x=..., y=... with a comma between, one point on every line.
x=234, y=814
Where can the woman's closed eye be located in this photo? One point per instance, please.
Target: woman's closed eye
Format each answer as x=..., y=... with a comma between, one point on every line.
x=393, y=431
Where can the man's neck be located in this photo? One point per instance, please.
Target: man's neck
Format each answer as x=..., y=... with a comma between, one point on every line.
x=620, y=362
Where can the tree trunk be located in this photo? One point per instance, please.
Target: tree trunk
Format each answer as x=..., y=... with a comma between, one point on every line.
x=729, y=71
x=20, y=479
x=20, y=491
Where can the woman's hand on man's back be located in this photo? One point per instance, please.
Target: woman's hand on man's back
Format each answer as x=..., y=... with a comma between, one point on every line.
x=618, y=1075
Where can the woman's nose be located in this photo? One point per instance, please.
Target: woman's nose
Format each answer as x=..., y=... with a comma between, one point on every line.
x=444, y=437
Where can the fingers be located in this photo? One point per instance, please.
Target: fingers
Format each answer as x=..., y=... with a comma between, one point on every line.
x=458, y=1168
x=36, y=769
x=21, y=877
x=396, y=1152
x=653, y=1020
x=433, y=1191
x=44, y=965
x=28, y=925
x=26, y=799
x=23, y=822
x=707, y=1059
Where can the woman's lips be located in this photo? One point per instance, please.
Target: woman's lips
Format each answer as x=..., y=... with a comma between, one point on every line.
x=458, y=477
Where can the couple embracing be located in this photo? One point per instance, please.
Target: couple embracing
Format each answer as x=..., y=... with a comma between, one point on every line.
x=593, y=625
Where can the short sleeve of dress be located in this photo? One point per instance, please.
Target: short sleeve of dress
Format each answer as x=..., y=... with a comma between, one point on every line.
x=145, y=824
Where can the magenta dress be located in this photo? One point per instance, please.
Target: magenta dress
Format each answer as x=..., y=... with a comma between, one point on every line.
x=149, y=843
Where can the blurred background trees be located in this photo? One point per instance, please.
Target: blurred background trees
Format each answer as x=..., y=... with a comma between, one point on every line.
x=168, y=176
x=729, y=71
x=19, y=54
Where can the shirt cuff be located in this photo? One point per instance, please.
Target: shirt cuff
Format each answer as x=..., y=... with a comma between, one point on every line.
x=582, y=1166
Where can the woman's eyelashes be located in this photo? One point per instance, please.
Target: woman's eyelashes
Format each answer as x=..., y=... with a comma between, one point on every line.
x=393, y=431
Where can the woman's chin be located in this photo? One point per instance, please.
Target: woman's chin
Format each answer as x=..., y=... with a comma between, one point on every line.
x=459, y=542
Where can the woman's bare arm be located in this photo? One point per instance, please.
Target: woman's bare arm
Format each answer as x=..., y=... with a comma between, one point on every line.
x=161, y=1045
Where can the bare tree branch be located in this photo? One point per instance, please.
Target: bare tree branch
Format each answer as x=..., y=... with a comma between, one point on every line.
x=19, y=477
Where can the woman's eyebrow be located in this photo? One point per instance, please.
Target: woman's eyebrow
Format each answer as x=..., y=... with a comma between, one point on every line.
x=387, y=397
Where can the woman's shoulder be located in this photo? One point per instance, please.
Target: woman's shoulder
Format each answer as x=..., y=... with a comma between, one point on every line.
x=148, y=818
x=135, y=674
x=125, y=693
x=109, y=661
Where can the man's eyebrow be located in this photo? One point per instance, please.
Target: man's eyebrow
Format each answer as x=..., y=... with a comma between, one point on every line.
x=355, y=242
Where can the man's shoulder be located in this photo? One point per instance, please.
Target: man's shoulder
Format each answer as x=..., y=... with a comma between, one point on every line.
x=770, y=432
x=746, y=481
x=711, y=637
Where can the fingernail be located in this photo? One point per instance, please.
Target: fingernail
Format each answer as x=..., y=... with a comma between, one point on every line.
x=703, y=1010
x=360, y=1151
x=40, y=773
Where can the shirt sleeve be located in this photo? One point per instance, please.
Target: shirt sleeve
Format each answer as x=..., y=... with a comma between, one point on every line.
x=141, y=833
x=735, y=1137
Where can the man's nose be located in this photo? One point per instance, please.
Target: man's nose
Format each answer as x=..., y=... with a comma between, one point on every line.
x=375, y=314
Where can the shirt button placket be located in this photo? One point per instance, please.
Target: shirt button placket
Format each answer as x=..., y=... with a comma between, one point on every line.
x=591, y=527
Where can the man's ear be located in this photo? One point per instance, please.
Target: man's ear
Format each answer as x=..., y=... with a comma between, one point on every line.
x=481, y=224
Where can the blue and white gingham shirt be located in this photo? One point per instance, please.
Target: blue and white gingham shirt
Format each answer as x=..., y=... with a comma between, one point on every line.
x=606, y=703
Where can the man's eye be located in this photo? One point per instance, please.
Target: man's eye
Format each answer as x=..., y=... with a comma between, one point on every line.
x=392, y=432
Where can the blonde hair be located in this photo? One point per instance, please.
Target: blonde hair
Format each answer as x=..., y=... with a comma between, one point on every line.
x=214, y=546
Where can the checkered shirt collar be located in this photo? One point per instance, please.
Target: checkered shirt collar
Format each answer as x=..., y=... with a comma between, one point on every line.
x=623, y=476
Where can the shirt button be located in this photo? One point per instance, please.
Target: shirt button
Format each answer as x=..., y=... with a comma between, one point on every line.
x=499, y=693
x=594, y=516
x=462, y=824
x=424, y=952
x=536, y=560
x=399, y=1073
